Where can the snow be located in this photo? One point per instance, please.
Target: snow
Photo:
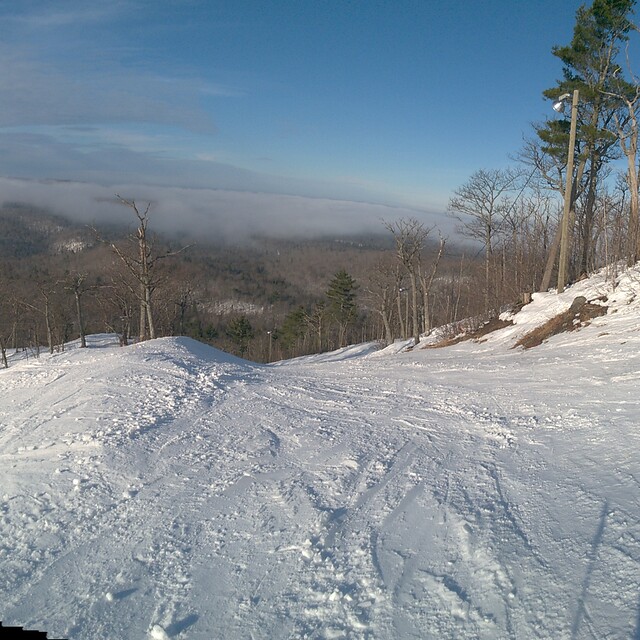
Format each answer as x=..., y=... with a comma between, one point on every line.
x=169, y=490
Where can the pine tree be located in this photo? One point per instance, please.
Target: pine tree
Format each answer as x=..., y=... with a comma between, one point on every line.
x=292, y=332
x=240, y=332
x=589, y=65
x=342, y=303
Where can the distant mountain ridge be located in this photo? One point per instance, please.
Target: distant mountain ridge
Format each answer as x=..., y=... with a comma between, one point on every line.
x=28, y=231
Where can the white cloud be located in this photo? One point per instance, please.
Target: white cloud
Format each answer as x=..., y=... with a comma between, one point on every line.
x=81, y=105
x=110, y=155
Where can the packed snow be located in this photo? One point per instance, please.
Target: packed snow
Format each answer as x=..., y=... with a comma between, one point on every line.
x=169, y=490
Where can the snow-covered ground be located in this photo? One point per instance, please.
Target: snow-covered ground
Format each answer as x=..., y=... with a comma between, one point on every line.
x=168, y=490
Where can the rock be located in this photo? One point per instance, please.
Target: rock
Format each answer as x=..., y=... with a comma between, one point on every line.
x=577, y=304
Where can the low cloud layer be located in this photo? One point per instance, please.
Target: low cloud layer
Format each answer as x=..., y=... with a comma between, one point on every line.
x=211, y=214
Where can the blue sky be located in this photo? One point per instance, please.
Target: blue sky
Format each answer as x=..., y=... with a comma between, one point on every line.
x=392, y=103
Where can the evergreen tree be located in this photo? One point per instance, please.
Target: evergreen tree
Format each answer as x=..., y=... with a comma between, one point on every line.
x=293, y=330
x=342, y=303
x=589, y=65
x=240, y=332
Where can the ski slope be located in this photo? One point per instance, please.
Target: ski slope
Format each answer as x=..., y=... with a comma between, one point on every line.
x=169, y=490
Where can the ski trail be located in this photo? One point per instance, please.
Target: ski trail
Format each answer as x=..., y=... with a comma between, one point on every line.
x=356, y=499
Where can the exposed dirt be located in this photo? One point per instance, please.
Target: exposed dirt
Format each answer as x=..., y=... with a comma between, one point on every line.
x=488, y=327
x=577, y=316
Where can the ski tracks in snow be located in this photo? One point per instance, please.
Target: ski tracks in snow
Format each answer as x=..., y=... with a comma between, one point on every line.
x=307, y=500
x=366, y=479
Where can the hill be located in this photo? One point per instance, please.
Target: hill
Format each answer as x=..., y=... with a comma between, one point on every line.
x=169, y=490
x=27, y=232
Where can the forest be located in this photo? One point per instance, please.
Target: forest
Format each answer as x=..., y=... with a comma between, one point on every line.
x=566, y=206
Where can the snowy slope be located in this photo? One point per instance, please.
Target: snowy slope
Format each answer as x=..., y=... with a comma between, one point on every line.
x=168, y=490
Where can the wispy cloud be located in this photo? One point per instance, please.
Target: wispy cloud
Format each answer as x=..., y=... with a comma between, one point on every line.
x=92, y=92
x=65, y=63
x=215, y=89
x=39, y=16
x=39, y=93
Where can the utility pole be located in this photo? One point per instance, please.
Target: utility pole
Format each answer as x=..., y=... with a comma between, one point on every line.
x=562, y=236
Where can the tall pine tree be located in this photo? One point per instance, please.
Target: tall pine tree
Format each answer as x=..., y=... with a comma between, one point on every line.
x=589, y=65
x=342, y=303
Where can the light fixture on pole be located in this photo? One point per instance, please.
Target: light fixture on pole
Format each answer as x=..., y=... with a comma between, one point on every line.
x=568, y=192
x=558, y=105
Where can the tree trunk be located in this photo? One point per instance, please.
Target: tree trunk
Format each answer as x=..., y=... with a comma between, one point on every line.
x=400, y=316
x=3, y=352
x=634, y=238
x=456, y=306
x=414, y=310
x=143, y=313
x=83, y=340
x=47, y=321
x=426, y=311
x=632, y=154
x=147, y=304
x=551, y=261
x=487, y=270
x=587, y=227
x=14, y=327
x=388, y=332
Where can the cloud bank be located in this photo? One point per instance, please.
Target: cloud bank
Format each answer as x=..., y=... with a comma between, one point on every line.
x=214, y=215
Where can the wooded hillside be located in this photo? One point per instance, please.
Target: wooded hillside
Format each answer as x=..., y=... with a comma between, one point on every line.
x=51, y=267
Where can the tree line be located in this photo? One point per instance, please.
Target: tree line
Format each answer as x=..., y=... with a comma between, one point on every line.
x=273, y=303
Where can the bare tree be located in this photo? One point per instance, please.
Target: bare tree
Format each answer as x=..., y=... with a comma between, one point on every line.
x=118, y=306
x=47, y=289
x=5, y=323
x=142, y=264
x=403, y=317
x=316, y=321
x=426, y=282
x=410, y=236
x=77, y=285
x=626, y=121
x=185, y=299
x=480, y=205
x=382, y=291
